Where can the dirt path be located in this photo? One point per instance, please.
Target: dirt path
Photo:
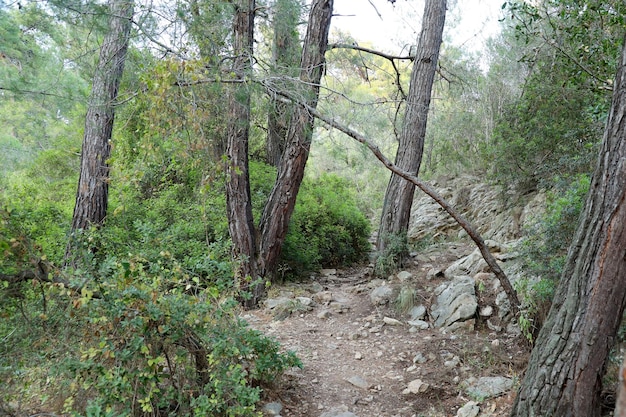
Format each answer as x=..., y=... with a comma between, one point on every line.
x=358, y=360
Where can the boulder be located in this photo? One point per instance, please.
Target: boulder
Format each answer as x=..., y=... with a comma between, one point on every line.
x=456, y=301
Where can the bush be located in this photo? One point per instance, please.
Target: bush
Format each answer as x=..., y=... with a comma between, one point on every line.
x=544, y=248
x=326, y=229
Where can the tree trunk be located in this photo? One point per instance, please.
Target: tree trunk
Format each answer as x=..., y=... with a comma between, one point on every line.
x=286, y=58
x=282, y=199
x=238, y=199
x=565, y=369
x=399, y=195
x=93, y=184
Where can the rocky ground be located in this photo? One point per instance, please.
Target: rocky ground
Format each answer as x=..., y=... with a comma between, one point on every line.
x=435, y=339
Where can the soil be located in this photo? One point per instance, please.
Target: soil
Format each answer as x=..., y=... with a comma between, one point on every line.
x=344, y=337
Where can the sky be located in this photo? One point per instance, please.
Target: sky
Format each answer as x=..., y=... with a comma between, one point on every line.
x=394, y=27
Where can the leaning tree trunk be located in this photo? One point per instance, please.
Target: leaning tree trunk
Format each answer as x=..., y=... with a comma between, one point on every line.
x=399, y=195
x=238, y=199
x=565, y=369
x=286, y=59
x=282, y=199
x=93, y=184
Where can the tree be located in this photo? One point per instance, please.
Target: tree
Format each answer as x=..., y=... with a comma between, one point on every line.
x=282, y=199
x=285, y=58
x=238, y=199
x=399, y=195
x=565, y=368
x=93, y=184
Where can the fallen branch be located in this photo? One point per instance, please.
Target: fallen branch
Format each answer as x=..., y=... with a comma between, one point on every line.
x=473, y=234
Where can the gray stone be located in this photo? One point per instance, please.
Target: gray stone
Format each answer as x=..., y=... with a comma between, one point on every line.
x=417, y=312
x=470, y=409
x=392, y=322
x=338, y=413
x=415, y=387
x=272, y=303
x=359, y=382
x=420, y=358
x=486, y=311
x=328, y=272
x=404, y=276
x=273, y=409
x=489, y=386
x=381, y=295
x=305, y=301
x=418, y=324
x=456, y=301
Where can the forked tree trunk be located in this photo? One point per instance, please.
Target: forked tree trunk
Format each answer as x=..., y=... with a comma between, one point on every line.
x=93, y=185
x=282, y=199
x=399, y=195
x=566, y=365
x=238, y=199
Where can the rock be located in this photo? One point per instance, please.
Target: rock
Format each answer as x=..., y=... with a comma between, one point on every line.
x=415, y=387
x=272, y=409
x=504, y=305
x=323, y=297
x=381, y=295
x=328, y=272
x=467, y=325
x=452, y=362
x=469, y=265
x=417, y=312
x=272, y=303
x=420, y=358
x=418, y=324
x=339, y=306
x=358, y=356
x=338, y=413
x=486, y=311
x=489, y=386
x=493, y=326
x=324, y=314
x=404, y=276
x=456, y=301
x=470, y=409
x=305, y=301
x=392, y=322
x=359, y=382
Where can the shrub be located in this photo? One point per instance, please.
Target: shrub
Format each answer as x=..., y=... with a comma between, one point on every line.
x=544, y=248
x=327, y=228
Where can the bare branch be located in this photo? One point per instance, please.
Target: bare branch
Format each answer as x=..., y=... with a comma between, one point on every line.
x=471, y=231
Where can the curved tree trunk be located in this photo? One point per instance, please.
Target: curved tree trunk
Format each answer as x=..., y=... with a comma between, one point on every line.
x=399, y=195
x=93, y=184
x=238, y=199
x=282, y=199
x=565, y=369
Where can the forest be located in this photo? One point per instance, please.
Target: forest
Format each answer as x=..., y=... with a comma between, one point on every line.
x=166, y=165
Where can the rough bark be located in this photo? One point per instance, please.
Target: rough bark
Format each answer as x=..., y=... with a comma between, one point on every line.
x=286, y=59
x=238, y=199
x=399, y=195
x=565, y=368
x=282, y=199
x=93, y=184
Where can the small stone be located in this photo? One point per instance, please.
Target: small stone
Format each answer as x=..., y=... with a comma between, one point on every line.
x=493, y=326
x=328, y=272
x=417, y=312
x=359, y=382
x=415, y=387
x=452, y=362
x=324, y=314
x=486, y=311
x=358, y=356
x=495, y=343
x=420, y=358
x=272, y=409
x=419, y=324
x=305, y=301
x=470, y=409
x=404, y=276
x=392, y=322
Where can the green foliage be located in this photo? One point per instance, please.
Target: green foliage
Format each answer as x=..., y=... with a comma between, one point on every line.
x=544, y=250
x=396, y=251
x=326, y=228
